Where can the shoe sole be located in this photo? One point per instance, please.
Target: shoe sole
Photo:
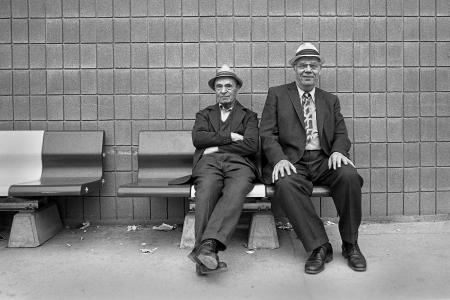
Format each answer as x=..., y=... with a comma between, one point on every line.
x=202, y=270
x=208, y=261
x=363, y=269
x=193, y=257
x=327, y=260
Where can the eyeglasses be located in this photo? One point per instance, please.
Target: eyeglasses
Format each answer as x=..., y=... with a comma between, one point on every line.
x=313, y=66
x=228, y=87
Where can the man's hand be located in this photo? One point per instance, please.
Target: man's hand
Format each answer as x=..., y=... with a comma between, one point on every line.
x=282, y=167
x=336, y=159
x=236, y=137
x=210, y=150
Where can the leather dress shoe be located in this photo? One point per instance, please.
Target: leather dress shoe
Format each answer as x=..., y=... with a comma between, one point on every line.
x=201, y=270
x=207, y=254
x=316, y=261
x=355, y=258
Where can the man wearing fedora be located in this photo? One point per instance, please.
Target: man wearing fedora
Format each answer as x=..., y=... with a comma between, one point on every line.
x=305, y=141
x=225, y=136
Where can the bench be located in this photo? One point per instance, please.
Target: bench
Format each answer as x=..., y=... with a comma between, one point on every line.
x=165, y=155
x=37, y=165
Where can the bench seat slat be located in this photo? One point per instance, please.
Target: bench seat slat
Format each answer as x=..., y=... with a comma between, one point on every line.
x=56, y=187
x=157, y=187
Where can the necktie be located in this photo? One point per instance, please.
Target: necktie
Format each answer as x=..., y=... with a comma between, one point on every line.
x=307, y=111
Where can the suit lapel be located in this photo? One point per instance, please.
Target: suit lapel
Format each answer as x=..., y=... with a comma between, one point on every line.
x=320, y=110
x=238, y=115
x=215, y=118
x=295, y=99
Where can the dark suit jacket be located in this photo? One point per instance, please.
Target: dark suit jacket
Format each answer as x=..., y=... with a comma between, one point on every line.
x=282, y=128
x=206, y=133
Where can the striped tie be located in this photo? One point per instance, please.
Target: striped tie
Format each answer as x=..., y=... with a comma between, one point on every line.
x=307, y=111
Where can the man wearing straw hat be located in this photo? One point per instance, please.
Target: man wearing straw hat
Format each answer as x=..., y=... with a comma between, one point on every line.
x=225, y=136
x=305, y=141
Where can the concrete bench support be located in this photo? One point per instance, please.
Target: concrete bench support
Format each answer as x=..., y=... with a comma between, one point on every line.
x=33, y=228
x=188, y=235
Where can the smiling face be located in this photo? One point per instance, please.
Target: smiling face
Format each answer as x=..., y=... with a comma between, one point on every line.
x=307, y=70
x=226, y=91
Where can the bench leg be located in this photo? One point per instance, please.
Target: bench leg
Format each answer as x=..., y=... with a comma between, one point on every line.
x=33, y=228
x=263, y=233
x=188, y=236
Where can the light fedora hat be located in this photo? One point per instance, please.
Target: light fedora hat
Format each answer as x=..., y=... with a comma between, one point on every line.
x=305, y=50
x=224, y=71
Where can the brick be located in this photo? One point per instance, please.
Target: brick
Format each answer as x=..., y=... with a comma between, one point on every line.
x=395, y=204
x=394, y=78
x=442, y=33
x=54, y=31
x=259, y=29
x=20, y=56
x=173, y=30
x=105, y=107
x=377, y=7
x=443, y=158
x=191, y=104
x=345, y=29
x=6, y=108
x=125, y=205
x=293, y=29
x=344, y=54
x=122, y=30
x=191, y=31
x=428, y=154
x=394, y=130
x=378, y=29
x=156, y=55
x=71, y=54
x=276, y=29
x=378, y=129
x=174, y=124
x=427, y=80
x=395, y=180
x=395, y=104
x=139, y=8
x=411, y=154
x=88, y=81
x=362, y=152
x=104, y=8
x=242, y=7
x=344, y=79
x=122, y=81
x=54, y=82
x=395, y=155
x=138, y=31
x=259, y=54
x=427, y=104
x=207, y=55
x=442, y=104
x=140, y=107
x=191, y=81
x=71, y=8
x=378, y=204
x=38, y=125
x=36, y=8
x=37, y=56
x=139, y=81
x=224, y=29
x=427, y=29
x=21, y=108
x=411, y=104
x=72, y=108
x=377, y=79
x=411, y=29
x=173, y=81
x=207, y=8
x=242, y=29
x=377, y=54
x=274, y=7
x=105, y=81
x=378, y=105
x=443, y=179
x=411, y=129
x=259, y=80
x=71, y=82
x=71, y=31
x=122, y=107
x=427, y=203
x=361, y=130
x=361, y=8
x=121, y=8
x=87, y=8
x=21, y=125
x=411, y=7
x=365, y=204
x=411, y=79
x=156, y=80
x=225, y=54
x=411, y=54
x=327, y=29
x=276, y=76
x=136, y=127
x=5, y=33
x=38, y=82
x=443, y=134
x=427, y=8
x=88, y=107
x=442, y=79
x=411, y=182
x=344, y=7
x=361, y=57
x=206, y=74
x=19, y=31
x=361, y=80
x=104, y=30
x=412, y=204
x=442, y=7
x=361, y=105
x=88, y=56
x=191, y=55
x=88, y=30
x=394, y=29
x=443, y=53
x=378, y=180
x=328, y=79
x=378, y=155
x=5, y=82
x=328, y=53
x=310, y=29
x=156, y=7
x=427, y=54
x=122, y=55
x=55, y=108
x=122, y=132
x=427, y=179
x=37, y=30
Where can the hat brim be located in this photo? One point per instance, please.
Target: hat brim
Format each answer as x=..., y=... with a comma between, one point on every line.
x=297, y=57
x=212, y=81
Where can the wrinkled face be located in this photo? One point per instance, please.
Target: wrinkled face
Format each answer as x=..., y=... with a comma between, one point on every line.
x=307, y=70
x=226, y=91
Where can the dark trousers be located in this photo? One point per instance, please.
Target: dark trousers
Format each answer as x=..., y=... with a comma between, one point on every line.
x=294, y=194
x=222, y=181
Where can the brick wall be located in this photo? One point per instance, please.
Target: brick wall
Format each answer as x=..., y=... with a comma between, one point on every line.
x=122, y=66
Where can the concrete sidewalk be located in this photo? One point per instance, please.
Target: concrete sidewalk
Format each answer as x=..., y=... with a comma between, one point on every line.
x=405, y=261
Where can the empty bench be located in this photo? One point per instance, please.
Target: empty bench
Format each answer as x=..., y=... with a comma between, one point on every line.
x=166, y=155
x=37, y=165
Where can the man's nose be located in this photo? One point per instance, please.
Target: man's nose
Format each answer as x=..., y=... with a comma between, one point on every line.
x=223, y=90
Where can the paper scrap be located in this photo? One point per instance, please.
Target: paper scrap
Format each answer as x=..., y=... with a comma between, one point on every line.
x=164, y=227
x=147, y=250
x=85, y=225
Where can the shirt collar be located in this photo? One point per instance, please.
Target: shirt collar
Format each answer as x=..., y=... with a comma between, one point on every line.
x=224, y=109
x=311, y=92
